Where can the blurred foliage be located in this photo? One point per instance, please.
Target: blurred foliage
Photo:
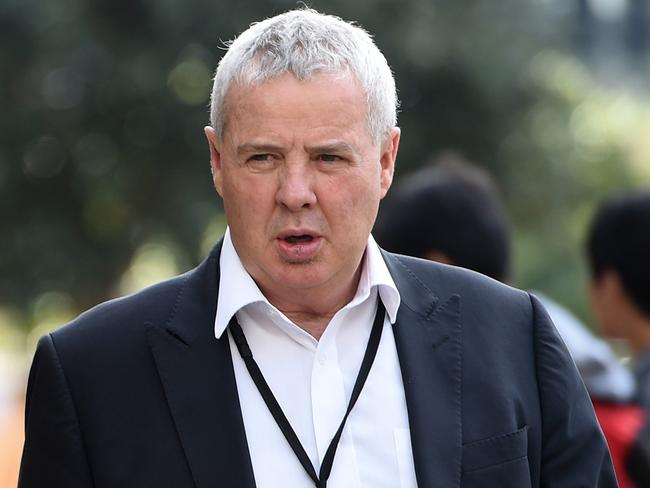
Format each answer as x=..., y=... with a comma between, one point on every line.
x=104, y=176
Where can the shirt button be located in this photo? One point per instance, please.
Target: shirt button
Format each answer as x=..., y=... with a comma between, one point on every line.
x=322, y=358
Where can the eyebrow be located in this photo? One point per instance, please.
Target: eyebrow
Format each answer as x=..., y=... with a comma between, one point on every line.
x=332, y=147
x=252, y=147
x=325, y=148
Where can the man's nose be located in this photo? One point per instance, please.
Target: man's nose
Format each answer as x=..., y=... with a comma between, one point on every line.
x=296, y=189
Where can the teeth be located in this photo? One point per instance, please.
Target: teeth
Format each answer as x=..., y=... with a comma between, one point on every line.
x=297, y=239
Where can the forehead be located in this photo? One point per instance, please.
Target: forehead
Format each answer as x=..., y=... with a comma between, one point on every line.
x=329, y=99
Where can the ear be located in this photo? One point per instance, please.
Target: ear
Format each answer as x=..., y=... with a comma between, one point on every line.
x=612, y=286
x=215, y=158
x=389, y=148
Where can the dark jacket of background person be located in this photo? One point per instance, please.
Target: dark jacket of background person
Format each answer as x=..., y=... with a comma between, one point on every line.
x=145, y=395
x=451, y=212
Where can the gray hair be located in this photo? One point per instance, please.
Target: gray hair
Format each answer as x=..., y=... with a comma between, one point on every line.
x=306, y=43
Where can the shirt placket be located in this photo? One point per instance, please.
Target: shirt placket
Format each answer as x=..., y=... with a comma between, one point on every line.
x=329, y=404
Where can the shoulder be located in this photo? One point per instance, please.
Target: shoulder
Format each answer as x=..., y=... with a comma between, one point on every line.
x=123, y=316
x=497, y=321
x=443, y=281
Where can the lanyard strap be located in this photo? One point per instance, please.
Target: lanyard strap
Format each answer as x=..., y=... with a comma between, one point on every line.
x=320, y=481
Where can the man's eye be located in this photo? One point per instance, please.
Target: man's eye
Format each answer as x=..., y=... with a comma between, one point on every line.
x=261, y=157
x=329, y=158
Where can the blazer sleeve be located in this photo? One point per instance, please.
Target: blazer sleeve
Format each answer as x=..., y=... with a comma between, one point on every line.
x=53, y=454
x=574, y=450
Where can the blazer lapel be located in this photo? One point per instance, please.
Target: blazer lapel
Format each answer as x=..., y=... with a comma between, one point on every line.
x=197, y=375
x=428, y=339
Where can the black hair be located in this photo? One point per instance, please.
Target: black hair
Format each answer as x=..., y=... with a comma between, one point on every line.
x=451, y=207
x=619, y=240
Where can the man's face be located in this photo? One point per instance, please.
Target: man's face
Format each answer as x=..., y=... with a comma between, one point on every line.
x=301, y=179
x=607, y=297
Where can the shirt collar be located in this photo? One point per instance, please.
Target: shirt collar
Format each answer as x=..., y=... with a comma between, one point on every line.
x=237, y=289
x=375, y=274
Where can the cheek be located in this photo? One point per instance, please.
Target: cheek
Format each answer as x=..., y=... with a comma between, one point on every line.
x=245, y=201
x=245, y=188
x=352, y=205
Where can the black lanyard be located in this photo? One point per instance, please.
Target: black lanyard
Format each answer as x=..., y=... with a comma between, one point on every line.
x=275, y=409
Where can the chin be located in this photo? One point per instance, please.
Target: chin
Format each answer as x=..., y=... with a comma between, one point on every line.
x=300, y=275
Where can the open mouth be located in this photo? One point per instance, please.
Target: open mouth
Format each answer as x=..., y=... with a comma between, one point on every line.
x=301, y=239
x=299, y=245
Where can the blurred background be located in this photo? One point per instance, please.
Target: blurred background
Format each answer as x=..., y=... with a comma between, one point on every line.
x=104, y=176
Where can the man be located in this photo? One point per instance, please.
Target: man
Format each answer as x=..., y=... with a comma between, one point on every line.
x=446, y=209
x=273, y=363
x=618, y=248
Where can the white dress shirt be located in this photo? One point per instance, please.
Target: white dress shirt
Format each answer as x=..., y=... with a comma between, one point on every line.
x=313, y=380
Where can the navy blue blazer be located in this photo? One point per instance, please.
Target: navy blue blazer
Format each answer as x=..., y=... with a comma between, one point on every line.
x=137, y=392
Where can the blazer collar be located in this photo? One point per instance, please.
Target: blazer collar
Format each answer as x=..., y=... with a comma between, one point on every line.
x=199, y=382
x=428, y=340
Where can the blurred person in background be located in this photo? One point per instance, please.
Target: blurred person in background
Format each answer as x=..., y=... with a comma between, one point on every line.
x=618, y=250
x=393, y=371
x=451, y=212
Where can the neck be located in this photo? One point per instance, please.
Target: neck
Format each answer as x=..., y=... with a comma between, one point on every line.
x=312, y=310
x=313, y=324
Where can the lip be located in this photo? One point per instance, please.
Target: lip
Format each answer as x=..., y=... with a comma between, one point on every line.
x=299, y=231
x=298, y=252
